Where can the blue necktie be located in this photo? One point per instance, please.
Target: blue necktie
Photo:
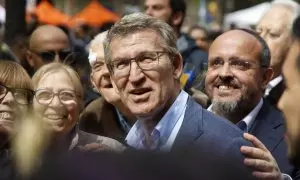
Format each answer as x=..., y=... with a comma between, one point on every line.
x=242, y=125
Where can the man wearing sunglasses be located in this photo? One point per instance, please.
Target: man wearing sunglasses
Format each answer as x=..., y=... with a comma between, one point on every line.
x=47, y=44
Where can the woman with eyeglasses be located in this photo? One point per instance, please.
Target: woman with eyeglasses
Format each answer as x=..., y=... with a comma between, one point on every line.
x=58, y=100
x=16, y=93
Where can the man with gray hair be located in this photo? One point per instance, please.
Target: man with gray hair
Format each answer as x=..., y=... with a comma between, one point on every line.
x=275, y=28
x=145, y=67
x=106, y=115
x=238, y=71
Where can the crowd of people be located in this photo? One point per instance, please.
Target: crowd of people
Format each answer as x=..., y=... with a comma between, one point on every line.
x=144, y=100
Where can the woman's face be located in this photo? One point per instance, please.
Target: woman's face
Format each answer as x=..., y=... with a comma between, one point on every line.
x=56, y=101
x=13, y=105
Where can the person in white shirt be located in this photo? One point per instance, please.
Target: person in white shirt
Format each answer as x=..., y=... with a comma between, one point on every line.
x=275, y=28
x=238, y=71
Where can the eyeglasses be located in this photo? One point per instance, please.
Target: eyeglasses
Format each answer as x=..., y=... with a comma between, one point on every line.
x=236, y=64
x=45, y=96
x=48, y=56
x=145, y=61
x=21, y=95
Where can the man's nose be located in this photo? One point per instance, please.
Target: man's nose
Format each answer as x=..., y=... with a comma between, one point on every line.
x=57, y=58
x=149, y=11
x=135, y=74
x=225, y=71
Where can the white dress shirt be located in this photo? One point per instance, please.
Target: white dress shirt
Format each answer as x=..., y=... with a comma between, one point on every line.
x=165, y=132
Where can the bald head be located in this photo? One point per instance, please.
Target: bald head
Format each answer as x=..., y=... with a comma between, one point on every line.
x=236, y=75
x=247, y=40
x=48, y=34
x=46, y=44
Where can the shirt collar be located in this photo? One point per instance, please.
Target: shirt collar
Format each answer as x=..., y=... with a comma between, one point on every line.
x=249, y=119
x=274, y=82
x=165, y=126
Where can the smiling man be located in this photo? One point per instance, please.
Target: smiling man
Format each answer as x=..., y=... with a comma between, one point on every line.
x=145, y=67
x=238, y=72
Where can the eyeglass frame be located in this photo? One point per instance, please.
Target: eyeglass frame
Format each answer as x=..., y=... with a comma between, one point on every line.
x=249, y=64
x=158, y=55
x=54, y=94
x=13, y=90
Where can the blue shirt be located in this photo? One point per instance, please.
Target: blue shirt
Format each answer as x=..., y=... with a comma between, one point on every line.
x=164, y=133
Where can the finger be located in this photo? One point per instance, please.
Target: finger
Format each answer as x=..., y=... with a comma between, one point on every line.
x=256, y=153
x=266, y=175
x=259, y=165
x=257, y=143
x=193, y=90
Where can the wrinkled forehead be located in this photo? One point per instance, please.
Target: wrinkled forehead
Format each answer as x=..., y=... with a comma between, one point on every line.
x=140, y=41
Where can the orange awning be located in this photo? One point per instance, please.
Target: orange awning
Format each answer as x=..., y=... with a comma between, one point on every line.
x=95, y=14
x=48, y=14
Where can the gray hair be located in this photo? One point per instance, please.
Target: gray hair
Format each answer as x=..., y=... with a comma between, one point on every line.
x=97, y=41
x=290, y=4
x=138, y=22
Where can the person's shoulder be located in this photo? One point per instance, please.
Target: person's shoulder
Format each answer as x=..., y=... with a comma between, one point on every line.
x=212, y=123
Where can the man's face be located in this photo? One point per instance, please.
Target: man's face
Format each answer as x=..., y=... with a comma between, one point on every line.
x=234, y=78
x=145, y=92
x=101, y=79
x=199, y=36
x=49, y=48
x=274, y=27
x=159, y=9
x=289, y=101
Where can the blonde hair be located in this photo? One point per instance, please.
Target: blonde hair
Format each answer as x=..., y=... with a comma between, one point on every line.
x=14, y=75
x=54, y=67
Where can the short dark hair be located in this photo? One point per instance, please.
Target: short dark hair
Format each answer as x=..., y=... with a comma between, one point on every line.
x=178, y=6
x=265, y=55
x=196, y=27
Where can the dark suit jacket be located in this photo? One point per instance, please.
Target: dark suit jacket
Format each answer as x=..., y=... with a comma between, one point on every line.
x=100, y=118
x=269, y=128
x=216, y=140
x=275, y=94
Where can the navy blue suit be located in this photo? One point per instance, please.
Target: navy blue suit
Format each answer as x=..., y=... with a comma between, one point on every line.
x=269, y=128
x=215, y=138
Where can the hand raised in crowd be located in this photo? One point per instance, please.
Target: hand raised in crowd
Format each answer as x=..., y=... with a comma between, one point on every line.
x=260, y=159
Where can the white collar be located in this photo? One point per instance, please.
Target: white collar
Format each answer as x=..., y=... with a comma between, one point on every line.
x=249, y=119
x=274, y=82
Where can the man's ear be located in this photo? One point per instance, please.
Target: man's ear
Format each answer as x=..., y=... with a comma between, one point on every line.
x=177, y=65
x=30, y=58
x=177, y=18
x=267, y=76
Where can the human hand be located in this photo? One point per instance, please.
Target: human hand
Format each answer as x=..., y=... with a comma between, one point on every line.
x=260, y=159
x=94, y=147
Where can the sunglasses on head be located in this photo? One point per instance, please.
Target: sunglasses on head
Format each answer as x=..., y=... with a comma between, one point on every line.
x=48, y=56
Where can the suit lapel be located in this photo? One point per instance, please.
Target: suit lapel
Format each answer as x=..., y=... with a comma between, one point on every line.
x=191, y=127
x=268, y=126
